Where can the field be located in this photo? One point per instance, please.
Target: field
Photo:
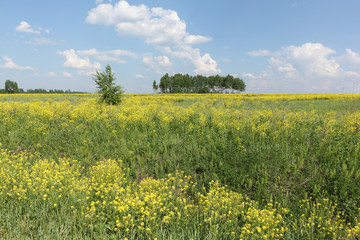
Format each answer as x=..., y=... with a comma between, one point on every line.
x=216, y=166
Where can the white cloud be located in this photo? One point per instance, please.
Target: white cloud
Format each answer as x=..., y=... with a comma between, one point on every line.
x=26, y=27
x=108, y=56
x=82, y=64
x=196, y=39
x=139, y=76
x=88, y=52
x=74, y=61
x=85, y=60
x=159, y=27
x=351, y=60
x=203, y=64
x=310, y=67
x=260, y=52
x=248, y=75
x=108, y=14
x=9, y=64
x=160, y=64
x=67, y=74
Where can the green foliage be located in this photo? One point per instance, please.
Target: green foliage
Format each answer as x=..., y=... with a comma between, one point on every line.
x=41, y=90
x=105, y=81
x=164, y=83
x=11, y=87
x=294, y=152
x=37, y=90
x=180, y=83
x=155, y=86
x=48, y=199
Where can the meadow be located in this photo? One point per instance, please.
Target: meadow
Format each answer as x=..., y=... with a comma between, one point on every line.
x=187, y=166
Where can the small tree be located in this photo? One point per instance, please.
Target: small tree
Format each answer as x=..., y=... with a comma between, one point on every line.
x=105, y=81
x=155, y=86
x=11, y=87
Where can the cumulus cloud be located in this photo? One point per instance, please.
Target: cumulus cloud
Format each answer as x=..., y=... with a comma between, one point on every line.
x=82, y=64
x=203, y=64
x=27, y=28
x=351, y=60
x=196, y=39
x=88, y=60
x=121, y=12
x=108, y=56
x=310, y=59
x=74, y=61
x=159, y=27
x=10, y=64
x=311, y=67
x=160, y=64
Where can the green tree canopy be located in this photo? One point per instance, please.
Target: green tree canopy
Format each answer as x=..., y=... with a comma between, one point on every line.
x=11, y=87
x=155, y=86
x=105, y=81
x=180, y=83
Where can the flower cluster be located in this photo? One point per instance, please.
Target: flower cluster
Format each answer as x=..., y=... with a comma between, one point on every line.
x=104, y=196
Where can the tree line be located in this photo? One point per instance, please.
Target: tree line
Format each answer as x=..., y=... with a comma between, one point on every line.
x=12, y=87
x=184, y=83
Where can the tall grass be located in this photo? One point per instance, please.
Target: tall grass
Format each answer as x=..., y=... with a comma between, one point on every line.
x=293, y=156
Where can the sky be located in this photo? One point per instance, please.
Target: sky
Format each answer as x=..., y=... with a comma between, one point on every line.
x=278, y=46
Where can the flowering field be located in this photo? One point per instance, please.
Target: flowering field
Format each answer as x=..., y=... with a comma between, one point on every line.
x=237, y=166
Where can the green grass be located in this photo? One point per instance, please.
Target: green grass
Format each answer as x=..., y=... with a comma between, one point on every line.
x=268, y=150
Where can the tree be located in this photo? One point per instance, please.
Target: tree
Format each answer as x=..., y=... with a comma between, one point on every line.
x=155, y=86
x=238, y=85
x=11, y=87
x=105, y=81
x=164, y=83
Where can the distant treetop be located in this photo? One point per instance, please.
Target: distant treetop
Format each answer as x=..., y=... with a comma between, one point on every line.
x=12, y=87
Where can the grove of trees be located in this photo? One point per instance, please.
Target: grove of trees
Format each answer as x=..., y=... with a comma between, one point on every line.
x=184, y=83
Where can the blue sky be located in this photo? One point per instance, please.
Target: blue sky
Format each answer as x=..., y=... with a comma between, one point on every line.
x=279, y=46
